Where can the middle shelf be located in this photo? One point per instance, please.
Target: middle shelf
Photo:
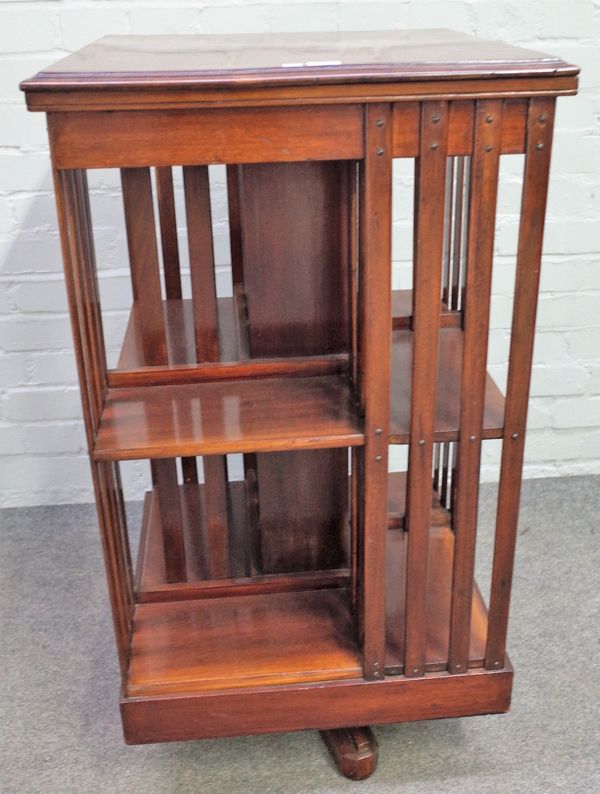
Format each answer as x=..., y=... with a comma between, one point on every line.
x=228, y=416
x=313, y=407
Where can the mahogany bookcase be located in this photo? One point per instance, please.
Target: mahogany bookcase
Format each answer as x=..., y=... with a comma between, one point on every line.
x=319, y=591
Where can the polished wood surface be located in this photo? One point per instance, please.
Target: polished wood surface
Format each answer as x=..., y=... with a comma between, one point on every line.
x=483, y=190
x=191, y=646
x=227, y=416
x=319, y=592
x=291, y=708
x=430, y=184
x=438, y=589
x=298, y=305
x=374, y=323
x=294, y=543
x=448, y=392
x=292, y=58
x=191, y=137
x=397, y=482
x=460, y=127
x=540, y=122
x=354, y=751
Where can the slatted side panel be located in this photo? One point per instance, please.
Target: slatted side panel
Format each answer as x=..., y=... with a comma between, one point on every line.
x=82, y=289
x=430, y=190
x=476, y=309
x=204, y=298
x=540, y=118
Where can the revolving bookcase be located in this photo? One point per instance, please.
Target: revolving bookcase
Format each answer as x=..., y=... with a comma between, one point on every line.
x=314, y=589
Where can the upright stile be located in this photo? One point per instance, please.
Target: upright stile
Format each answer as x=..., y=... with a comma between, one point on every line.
x=284, y=579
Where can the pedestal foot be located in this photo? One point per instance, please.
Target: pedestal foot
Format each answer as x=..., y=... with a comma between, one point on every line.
x=354, y=751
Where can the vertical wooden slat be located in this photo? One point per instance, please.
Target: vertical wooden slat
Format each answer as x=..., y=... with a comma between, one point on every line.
x=168, y=232
x=429, y=242
x=234, y=198
x=202, y=263
x=375, y=349
x=89, y=280
x=190, y=470
x=204, y=296
x=80, y=279
x=111, y=520
x=112, y=496
x=540, y=118
x=476, y=311
x=143, y=258
x=167, y=490
x=171, y=267
x=215, y=500
x=349, y=245
x=145, y=277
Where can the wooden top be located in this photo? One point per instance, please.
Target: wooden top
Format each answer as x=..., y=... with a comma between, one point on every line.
x=290, y=59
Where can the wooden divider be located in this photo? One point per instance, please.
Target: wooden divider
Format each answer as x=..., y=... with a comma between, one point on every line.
x=291, y=216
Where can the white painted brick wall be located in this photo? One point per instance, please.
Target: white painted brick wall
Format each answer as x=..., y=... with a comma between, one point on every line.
x=42, y=458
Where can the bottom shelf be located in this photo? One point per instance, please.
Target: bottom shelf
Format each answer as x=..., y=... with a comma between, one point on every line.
x=282, y=638
x=242, y=641
x=439, y=590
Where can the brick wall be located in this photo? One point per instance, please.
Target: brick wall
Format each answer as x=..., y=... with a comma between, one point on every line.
x=42, y=458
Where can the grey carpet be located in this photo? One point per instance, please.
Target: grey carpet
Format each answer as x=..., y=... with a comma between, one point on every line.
x=60, y=724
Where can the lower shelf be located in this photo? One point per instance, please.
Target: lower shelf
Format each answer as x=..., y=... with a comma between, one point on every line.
x=243, y=641
x=281, y=638
x=439, y=589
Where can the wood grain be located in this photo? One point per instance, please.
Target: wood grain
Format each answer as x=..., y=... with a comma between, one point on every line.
x=430, y=180
x=375, y=350
x=143, y=260
x=439, y=589
x=540, y=120
x=447, y=397
x=237, y=642
x=226, y=417
x=480, y=250
x=263, y=710
x=187, y=137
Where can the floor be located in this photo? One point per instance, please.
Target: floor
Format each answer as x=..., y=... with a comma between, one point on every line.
x=59, y=722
